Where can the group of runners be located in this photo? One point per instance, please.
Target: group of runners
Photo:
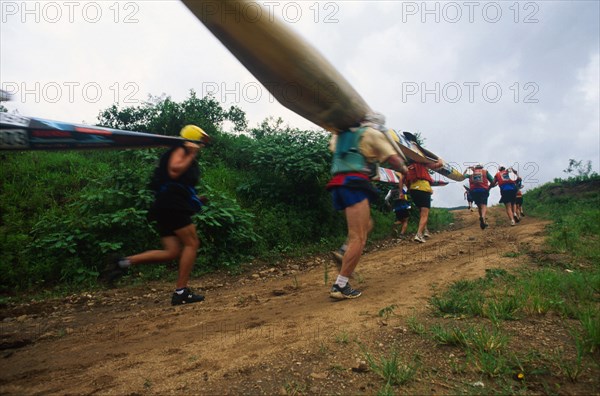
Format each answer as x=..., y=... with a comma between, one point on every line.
x=480, y=183
x=418, y=184
x=416, y=188
x=357, y=153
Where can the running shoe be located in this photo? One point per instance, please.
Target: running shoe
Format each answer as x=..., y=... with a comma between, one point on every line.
x=341, y=293
x=187, y=297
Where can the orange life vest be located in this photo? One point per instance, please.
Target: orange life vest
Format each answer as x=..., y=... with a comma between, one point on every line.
x=416, y=172
x=478, y=179
x=503, y=177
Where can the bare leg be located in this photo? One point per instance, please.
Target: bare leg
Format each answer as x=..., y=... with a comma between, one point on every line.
x=509, y=212
x=359, y=221
x=423, y=217
x=404, y=226
x=191, y=243
x=171, y=251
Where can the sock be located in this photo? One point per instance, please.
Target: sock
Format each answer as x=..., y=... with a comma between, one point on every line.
x=123, y=263
x=180, y=291
x=341, y=281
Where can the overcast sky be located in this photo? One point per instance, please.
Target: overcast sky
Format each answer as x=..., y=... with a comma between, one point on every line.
x=514, y=83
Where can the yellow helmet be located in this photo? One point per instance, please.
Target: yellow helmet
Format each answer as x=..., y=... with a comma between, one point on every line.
x=192, y=132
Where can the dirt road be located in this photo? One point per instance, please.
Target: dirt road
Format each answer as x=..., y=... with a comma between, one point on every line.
x=272, y=331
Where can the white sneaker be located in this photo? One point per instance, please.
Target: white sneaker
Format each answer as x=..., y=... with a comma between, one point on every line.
x=512, y=222
x=426, y=234
x=419, y=238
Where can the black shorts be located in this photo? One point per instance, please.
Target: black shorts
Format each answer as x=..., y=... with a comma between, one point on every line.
x=402, y=214
x=519, y=200
x=421, y=199
x=508, y=196
x=480, y=197
x=168, y=221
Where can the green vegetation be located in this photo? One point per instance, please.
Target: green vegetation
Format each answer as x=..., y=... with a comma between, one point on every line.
x=572, y=205
x=386, y=312
x=64, y=214
x=477, y=318
x=392, y=368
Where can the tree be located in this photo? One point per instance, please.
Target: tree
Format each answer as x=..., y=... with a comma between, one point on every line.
x=163, y=116
x=583, y=170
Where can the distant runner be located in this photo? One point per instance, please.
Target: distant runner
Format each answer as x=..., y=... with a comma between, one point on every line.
x=480, y=182
x=508, y=191
x=519, y=199
x=398, y=199
x=469, y=197
x=419, y=182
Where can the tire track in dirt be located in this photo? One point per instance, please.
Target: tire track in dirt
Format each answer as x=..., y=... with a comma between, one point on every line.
x=140, y=346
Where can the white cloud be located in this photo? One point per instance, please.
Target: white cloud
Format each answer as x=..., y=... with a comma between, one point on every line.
x=589, y=81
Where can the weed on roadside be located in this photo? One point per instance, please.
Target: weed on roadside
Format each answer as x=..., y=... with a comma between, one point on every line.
x=414, y=325
x=392, y=368
x=386, y=312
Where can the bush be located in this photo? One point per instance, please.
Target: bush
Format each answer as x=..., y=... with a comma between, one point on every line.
x=63, y=214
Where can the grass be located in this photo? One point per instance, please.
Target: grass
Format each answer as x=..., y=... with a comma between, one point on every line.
x=477, y=338
x=414, y=325
x=326, y=274
x=506, y=307
x=448, y=336
x=392, y=368
x=386, y=312
x=590, y=323
x=575, y=214
x=462, y=297
x=529, y=291
x=533, y=293
x=486, y=340
x=342, y=338
x=492, y=364
x=387, y=390
x=294, y=387
x=476, y=319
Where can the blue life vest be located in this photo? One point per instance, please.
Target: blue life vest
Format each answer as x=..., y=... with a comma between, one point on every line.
x=347, y=156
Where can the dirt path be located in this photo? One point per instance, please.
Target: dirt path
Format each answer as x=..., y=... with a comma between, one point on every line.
x=264, y=332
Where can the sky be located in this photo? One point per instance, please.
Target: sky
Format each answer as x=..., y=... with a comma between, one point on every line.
x=512, y=83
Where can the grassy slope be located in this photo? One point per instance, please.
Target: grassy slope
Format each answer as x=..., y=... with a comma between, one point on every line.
x=559, y=288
